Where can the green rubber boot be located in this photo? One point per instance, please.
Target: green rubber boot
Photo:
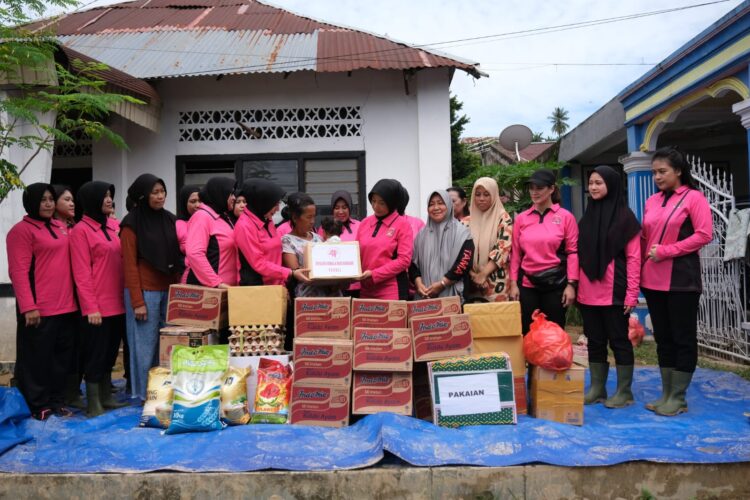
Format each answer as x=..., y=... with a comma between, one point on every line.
x=597, y=392
x=666, y=385
x=94, y=407
x=73, y=396
x=623, y=396
x=676, y=403
x=105, y=394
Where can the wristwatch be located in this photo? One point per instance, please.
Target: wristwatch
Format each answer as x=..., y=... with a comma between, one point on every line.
x=572, y=283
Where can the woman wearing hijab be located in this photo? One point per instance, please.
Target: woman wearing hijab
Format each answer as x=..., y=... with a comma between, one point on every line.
x=97, y=270
x=187, y=204
x=443, y=251
x=65, y=205
x=151, y=261
x=341, y=208
x=609, y=254
x=491, y=229
x=386, y=244
x=544, y=254
x=255, y=235
x=210, y=250
x=39, y=269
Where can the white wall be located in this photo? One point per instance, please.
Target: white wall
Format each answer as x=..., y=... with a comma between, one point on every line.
x=406, y=137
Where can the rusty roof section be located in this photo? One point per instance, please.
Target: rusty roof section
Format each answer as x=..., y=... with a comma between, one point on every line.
x=246, y=36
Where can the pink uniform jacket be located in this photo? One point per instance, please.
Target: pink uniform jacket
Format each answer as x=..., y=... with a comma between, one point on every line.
x=39, y=267
x=259, y=252
x=619, y=285
x=210, y=251
x=542, y=241
x=97, y=267
x=681, y=225
x=284, y=228
x=181, y=227
x=387, y=254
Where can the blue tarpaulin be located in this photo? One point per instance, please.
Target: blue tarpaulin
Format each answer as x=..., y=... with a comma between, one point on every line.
x=713, y=431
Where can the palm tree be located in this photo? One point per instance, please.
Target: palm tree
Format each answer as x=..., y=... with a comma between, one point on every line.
x=559, y=120
x=537, y=137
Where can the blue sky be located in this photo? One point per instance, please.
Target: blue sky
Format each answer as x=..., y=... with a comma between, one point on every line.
x=528, y=76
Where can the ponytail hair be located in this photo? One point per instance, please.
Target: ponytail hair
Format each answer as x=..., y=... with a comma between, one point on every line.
x=677, y=160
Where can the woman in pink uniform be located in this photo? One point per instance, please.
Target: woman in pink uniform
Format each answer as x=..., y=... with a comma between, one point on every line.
x=386, y=244
x=257, y=241
x=65, y=205
x=609, y=253
x=97, y=270
x=544, y=254
x=210, y=250
x=39, y=269
x=187, y=204
x=677, y=223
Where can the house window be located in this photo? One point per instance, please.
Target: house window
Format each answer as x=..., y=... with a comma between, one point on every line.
x=273, y=123
x=318, y=174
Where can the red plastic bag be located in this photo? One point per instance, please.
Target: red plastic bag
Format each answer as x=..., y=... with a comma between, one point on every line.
x=636, y=332
x=547, y=345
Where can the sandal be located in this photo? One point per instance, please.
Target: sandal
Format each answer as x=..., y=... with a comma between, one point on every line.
x=63, y=412
x=42, y=414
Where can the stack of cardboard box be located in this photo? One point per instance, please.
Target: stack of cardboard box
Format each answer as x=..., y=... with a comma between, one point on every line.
x=382, y=357
x=195, y=314
x=322, y=361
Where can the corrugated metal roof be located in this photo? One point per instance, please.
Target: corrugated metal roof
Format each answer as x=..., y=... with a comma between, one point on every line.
x=170, y=38
x=193, y=53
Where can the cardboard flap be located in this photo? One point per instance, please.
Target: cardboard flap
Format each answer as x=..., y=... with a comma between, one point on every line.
x=494, y=319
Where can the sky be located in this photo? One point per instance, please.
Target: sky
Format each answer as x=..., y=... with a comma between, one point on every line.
x=529, y=75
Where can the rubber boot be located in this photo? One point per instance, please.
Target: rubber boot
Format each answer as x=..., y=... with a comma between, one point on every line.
x=666, y=384
x=105, y=394
x=597, y=392
x=94, y=407
x=623, y=396
x=676, y=403
x=73, y=392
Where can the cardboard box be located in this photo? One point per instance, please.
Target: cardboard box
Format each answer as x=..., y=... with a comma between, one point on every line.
x=199, y=306
x=322, y=406
x=496, y=327
x=427, y=308
x=383, y=349
x=379, y=313
x=374, y=392
x=558, y=396
x=258, y=305
x=333, y=261
x=323, y=317
x=190, y=336
x=473, y=390
x=253, y=362
x=323, y=362
x=441, y=337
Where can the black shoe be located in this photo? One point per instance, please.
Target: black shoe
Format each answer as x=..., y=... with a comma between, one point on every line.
x=42, y=414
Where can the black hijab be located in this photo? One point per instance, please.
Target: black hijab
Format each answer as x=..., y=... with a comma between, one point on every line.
x=32, y=200
x=392, y=193
x=261, y=195
x=185, y=192
x=606, y=227
x=91, y=197
x=216, y=192
x=155, y=229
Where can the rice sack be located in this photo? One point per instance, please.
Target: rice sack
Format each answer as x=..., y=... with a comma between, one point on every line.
x=197, y=375
x=273, y=393
x=157, y=411
x=234, y=409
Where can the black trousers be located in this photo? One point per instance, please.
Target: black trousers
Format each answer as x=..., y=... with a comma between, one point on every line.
x=45, y=356
x=100, y=345
x=674, y=316
x=604, y=325
x=550, y=303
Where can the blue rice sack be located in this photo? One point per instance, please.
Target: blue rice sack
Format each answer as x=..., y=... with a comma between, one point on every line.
x=197, y=374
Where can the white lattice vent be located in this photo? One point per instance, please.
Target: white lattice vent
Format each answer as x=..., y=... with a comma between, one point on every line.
x=273, y=123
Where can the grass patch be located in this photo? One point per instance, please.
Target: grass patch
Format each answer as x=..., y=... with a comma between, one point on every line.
x=645, y=354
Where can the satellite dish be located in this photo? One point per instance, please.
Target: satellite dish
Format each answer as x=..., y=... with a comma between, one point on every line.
x=515, y=138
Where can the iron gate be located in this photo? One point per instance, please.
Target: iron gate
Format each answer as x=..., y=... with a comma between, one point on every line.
x=722, y=323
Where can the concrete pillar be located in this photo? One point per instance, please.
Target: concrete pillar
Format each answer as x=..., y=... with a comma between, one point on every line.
x=742, y=109
x=637, y=166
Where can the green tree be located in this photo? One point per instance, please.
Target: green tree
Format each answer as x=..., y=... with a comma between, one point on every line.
x=463, y=161
x=512, y=181
x=38, y=86
x=537, y=137
x=559, y=120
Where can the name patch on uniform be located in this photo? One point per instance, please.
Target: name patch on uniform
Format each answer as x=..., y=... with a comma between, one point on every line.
x=390, y=232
